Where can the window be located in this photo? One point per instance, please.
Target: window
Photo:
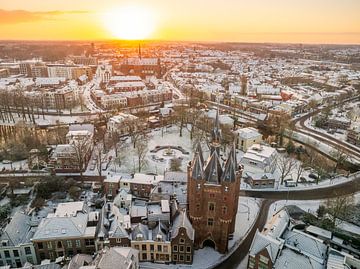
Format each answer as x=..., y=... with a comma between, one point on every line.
x=70, y=253
x=136, y=247
x=182, y=241
x=175, y=257
x=118, y=240
x=8, y=262
x=144, y=256
x=51, y=255
x=42, y=256
x=49, y=245
x=175, y=248
x=7, y=253
x=89, y=242
x=152, y=247
x=159, y=248
x=59, y=244
x=181, y=257
x=1, y=263
x=30, y=260
x=211, y=195
x=77, y=243
x=264, y=259
x=16, y=253
x=27, y=251
x=181, y=249
x=251, y=262
x=211, y=206
x=224, y=210
x=188, y=258
x=165, y=249
x=143, y=247
x=69, y=243
x=188, y=249
x=210, y=222
x=197, y=207
x=40, y=245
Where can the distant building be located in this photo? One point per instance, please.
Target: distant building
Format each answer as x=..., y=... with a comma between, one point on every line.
x=142, y=67
x=118, y=123
x=353, y=135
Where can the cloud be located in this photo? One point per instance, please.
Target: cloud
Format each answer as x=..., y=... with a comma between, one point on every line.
x=23, y=16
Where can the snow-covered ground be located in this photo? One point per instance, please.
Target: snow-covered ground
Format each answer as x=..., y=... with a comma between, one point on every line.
x=19, y=165
x=248, y=210
x=322, y=146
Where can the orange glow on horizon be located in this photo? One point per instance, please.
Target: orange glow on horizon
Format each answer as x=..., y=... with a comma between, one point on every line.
x=306, y=21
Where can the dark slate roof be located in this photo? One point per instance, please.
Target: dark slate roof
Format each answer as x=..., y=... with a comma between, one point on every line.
x=197, y=169
x=229, y=174
x=213, y=170
x=182, y=220
x=140, y=229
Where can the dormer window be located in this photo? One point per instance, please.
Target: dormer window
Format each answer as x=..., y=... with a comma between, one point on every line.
x=226, y=189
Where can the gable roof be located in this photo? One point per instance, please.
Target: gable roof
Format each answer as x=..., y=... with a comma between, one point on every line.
x=261, y=242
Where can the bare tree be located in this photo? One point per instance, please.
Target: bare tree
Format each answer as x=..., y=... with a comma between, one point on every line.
x=141, y=149
x=340, y=158
x=286, y=166
x=180, y=117
x=175, y=164
x=299, y=171
x=136, y=129
x=339, y=208
x=82, y=149
x=101, y=158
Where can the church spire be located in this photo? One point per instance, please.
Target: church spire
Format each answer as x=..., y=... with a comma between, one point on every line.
x=216, y=135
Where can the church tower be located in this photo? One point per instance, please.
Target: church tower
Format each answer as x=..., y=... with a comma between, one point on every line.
x=213, y=194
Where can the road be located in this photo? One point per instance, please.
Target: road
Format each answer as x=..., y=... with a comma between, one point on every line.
x=269, y=197
x=90, y=104
x=235, y=259
x=323, y=137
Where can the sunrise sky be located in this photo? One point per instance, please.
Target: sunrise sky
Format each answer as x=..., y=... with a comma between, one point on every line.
x=297, y=21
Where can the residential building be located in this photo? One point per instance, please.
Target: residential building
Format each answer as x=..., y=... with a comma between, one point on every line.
x=70, y=230
x=261, y=180
x=121, y=124
x=153, y=244
x=246, y=137
x=16, y=248
x=259, y=159
x=182, y=239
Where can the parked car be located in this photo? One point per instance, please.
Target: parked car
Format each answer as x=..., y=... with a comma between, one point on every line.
x=313, y=176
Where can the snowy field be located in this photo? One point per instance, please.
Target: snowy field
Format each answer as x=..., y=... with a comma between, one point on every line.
x=157, y=162
x=248, y=210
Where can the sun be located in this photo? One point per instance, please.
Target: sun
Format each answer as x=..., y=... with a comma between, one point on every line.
x=130, y=22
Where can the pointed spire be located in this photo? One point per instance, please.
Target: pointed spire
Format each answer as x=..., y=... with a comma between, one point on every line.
x=197, y=168
x=229, y=174
x=213, y=170
x=198, y=151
